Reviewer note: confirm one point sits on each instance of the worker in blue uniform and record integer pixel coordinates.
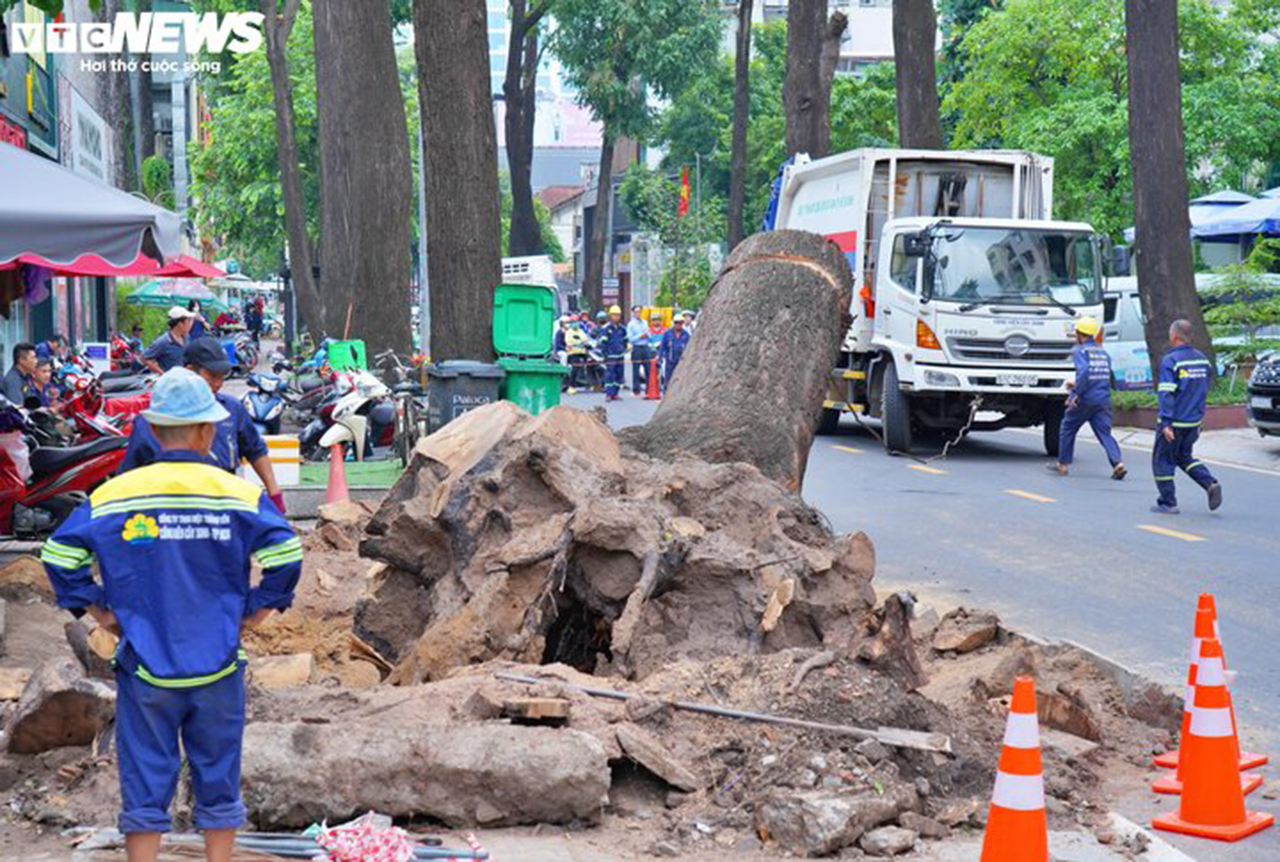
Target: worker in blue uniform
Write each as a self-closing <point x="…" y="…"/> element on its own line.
<point x="173" y="543"/>
<point x="1090" y="401"/>
<point x="611" y="340"/>
<point x="237" y="438"/>
<point x="1183" y="389"/>
<point x="671" y="348"/>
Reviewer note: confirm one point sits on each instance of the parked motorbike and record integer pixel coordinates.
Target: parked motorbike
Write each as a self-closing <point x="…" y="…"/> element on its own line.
<point x="363" y="419"/>
<point x="242" y="352"/>
<point x="265" y="402"/>
<point x="41" y="486"/>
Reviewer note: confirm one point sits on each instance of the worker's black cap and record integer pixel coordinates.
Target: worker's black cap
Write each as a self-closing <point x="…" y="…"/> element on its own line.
<point x="206" y="353"/>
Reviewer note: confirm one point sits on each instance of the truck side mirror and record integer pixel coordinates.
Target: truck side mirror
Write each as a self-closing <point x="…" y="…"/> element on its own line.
<point x="917" y="244"/>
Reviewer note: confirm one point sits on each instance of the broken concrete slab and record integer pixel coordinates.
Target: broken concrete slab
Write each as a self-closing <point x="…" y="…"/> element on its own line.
<point x="888" y="841"/>
<point x="819" y="822"/>
<point x="60" y="706"/>
<point x="298" y="773"/>
<point x="925" y="827"/>
<point x="344" y="513"/>
<point x="965" y="630"/>
<point x="281" y="671"/>
<point x="646" y="750"/>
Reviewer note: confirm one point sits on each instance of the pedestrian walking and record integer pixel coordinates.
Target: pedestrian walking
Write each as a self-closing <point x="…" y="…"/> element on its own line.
<point x="173" y="544"/>
<point x="641" y="352"/>
<point x="671" y="349"/>
<point x="1089" y="402"/>
<point x="1183" y="390"/>
<point x="612" y="343"/>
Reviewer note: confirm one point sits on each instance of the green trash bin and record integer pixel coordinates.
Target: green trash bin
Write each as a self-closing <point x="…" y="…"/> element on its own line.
<point x="524" y="321"/>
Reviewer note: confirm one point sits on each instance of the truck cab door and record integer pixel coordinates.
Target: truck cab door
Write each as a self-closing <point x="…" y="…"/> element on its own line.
<point x="897" y="293"/>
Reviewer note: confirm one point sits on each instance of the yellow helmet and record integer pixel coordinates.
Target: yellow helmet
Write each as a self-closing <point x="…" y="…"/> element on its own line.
<point x="1087" y="326"/>
<point x="613" y="309"/>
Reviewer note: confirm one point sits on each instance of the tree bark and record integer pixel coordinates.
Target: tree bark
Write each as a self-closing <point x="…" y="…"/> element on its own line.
<point x="1166" y="270"/>
<point x="460" y="170"/>
<point x="768" y="392"/>
<point x="593" y="266"/>
<point x="146" y="108"/>
<point x="915" y="31"/>
<point x="813" y="47"/>
<point x="276" y="27"/>
<point x="519" y="91"/>
<point x="741" y="111"/>
<point x="365" y="175"/>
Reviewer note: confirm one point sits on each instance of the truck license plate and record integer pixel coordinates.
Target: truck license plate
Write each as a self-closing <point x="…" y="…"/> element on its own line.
<point x="1016" y="380"/>
<point x="1260" y="403"/>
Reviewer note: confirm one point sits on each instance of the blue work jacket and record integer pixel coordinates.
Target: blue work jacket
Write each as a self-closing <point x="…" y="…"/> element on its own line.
<point x="1093" y="374"/>
<point x="237" y="437"/>
<point x="1183" y="388"/>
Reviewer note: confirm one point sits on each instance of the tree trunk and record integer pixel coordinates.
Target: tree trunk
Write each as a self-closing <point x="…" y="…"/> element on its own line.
<point x="915" y="31"/>
<point x="127" y="168"/>
<point x="802" y="283"/>
<point x="741" y="110"/>
<point x="1166" y="279"/>
<point x="519" y="91"/>
<point x="460" y="170"/>
<point x="813" y="47"/>
<point x="593" y="266"/>
<point x="365" y="176"/>
<point x="276" y="29"/>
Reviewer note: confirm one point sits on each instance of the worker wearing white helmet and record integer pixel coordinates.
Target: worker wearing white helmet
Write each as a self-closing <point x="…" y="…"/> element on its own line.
<point x="612" y="342"/>
<point x="1089" y="402"/>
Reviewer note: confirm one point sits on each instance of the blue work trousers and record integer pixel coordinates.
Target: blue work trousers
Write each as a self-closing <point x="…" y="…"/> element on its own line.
<point x="641" y="356"/>
<point x="1167" y="458"/>
<point x="150" y="721"/>
<point x="1098" y="417"/>
<point x="615" y="368"/>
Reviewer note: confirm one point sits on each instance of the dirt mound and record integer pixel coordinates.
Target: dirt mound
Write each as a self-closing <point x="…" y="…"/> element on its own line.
<point x="540" y="540"/>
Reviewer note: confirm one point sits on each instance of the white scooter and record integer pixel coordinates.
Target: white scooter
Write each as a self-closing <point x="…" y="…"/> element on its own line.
<point x="365" y="417"/>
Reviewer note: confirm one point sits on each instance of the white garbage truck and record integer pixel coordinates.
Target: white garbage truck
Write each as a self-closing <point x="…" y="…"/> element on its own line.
<point x="966" y="293"/>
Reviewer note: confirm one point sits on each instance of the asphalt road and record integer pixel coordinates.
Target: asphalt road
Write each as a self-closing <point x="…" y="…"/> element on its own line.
<point x="1080" y="558"/>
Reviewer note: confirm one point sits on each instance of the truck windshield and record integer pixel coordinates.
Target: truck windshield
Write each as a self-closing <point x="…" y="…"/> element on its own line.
<point x="1016" y="266"/>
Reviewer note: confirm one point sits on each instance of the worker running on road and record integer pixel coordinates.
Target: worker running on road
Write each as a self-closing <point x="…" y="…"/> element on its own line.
<point x="1183" y="390"/>
<point x="173" y="542"/>
<point x="1090" y="401"/>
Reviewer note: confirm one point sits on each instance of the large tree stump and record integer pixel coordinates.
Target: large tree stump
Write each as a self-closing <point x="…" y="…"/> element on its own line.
<point x="750" y="386"/>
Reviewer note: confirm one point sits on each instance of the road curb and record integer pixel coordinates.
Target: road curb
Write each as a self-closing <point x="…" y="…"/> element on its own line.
<point x="1158" y="850"/>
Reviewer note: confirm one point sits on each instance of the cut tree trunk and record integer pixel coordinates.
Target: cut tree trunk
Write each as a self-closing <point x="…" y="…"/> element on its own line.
<point x="739" y="397"/>
<point x="813" y="46"/>
<point x="519" y="92"/>
<point x="1166" y="269"/>
<point x="741" y="110"/>
<point x="276" y="27"/>
<point x="593" y="267"/>
<point x="460" y="171"/>
<point x="365" y="176"/>
<point x="915" y="29"/>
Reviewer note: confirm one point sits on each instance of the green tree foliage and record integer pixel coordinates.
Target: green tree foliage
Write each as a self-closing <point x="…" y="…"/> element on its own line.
<point x="236" y="174"/>
<point x="550" y="242"/>
<point x="1051" y="76"/>
<point x="157" y="181"/>
<point x="700" y="119"/>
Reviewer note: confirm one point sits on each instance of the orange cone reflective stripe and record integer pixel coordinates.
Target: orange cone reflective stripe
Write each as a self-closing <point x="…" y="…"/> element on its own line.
<point x="1212" y="803"/>
<point x="1017" y="829"/>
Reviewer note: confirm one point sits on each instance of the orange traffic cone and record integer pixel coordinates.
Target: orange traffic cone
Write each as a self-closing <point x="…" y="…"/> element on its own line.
<point x="337" y="490"/>
<point x="1212" y="804"/>
<point x="1248" y="759"/>
<point x="654" y="392"/>
<point x="1204" y="630"/>
<point x="1017" y="830"/>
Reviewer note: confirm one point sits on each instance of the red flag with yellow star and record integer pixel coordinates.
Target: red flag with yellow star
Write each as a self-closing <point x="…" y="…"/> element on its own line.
<point x="683" y="209"/>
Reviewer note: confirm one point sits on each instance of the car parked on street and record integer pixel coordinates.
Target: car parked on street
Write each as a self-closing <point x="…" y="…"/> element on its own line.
<point x="1264" y="397"/>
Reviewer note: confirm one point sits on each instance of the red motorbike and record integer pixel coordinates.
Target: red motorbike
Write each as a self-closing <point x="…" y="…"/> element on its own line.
<point x="60" y="478"/>
<point x="97" y="416"/>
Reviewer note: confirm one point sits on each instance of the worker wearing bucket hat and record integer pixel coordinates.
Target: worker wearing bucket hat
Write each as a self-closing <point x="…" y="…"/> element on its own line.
<point x="179" y="667"/>
<point x="1089" y="402"/>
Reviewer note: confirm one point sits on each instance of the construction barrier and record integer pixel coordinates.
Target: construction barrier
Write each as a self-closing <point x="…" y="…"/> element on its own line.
<point x="286" y="461"/>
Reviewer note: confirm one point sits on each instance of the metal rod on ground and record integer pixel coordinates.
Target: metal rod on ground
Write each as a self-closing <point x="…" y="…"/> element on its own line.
<point x="894" y="736"/>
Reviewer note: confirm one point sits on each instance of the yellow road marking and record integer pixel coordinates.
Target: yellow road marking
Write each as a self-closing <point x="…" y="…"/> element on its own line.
<point x="1173" y="534"/>
<point x="1027" y="495"/>
<point x="932" y="470"/>
<point x="849" y="449"/>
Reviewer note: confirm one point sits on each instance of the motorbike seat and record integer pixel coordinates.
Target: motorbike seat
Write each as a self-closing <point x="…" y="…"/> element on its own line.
<point x="117" y="374"/>
<point x="411" y="388"/>
<point x="120" y="384"/>
<point x="46" y="460"/>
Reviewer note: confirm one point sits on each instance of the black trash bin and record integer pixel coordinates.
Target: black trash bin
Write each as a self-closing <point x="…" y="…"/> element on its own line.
<point x="457" y="386"/>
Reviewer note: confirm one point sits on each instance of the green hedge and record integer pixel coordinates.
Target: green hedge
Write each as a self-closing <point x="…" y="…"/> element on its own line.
<point x="1221" y="394"/>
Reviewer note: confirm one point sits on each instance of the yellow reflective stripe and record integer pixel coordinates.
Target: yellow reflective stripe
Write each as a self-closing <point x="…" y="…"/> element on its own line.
<point x="214" y="504"/>
<point x="285" y="552"/>
<point x="170" y="478"/>
<point x="65" y="556"/>
<point x="1168" y="387"/>
<point x="1185" y="424"/>
<point x="1165" y="478"/>
<point x="1191" y="362"/>
<point x="191" y="681"/>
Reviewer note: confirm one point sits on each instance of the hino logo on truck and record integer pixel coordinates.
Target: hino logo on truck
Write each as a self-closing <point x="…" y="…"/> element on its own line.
<point x="1017" y="345"/>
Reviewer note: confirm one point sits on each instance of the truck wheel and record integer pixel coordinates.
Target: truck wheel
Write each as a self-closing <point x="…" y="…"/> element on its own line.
<point x="829" y="423"/>
<point x="895" y="414"/>
<point x="1053" y="429"/>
